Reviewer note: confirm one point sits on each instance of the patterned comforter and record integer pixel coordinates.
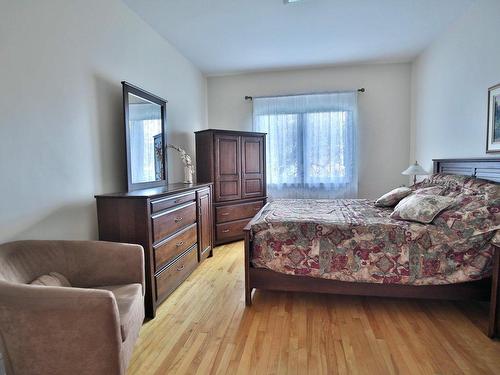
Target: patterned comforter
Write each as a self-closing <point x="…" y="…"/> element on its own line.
<point x="353" y="240"/>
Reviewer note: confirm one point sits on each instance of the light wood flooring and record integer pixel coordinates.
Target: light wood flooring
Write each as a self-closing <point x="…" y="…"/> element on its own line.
<point x="205" y="328"/>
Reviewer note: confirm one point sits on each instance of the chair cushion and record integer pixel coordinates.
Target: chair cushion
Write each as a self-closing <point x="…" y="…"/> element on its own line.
<point x="130" y="306"/>
<point x="52" y="279"/>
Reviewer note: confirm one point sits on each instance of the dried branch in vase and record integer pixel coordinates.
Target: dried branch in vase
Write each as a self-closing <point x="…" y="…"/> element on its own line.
<point x="188" y="164"/>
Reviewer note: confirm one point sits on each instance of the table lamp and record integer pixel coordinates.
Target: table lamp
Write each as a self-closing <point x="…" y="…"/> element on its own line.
<point x="414" y="170"/>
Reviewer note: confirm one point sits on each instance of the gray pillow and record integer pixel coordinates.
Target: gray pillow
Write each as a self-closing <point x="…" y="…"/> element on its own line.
<point x="421" y="208"/>
<point x="52" y="279"/>
<point x="392" y="198"/>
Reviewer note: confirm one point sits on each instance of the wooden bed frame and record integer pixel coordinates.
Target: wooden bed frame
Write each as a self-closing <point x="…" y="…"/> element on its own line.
<point x="483" y="290"/>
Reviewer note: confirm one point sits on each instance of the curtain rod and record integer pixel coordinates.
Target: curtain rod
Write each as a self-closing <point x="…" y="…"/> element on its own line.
<point x="247" y="97"/>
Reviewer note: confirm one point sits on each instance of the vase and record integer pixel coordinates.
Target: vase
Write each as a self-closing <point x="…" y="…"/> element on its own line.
<point x="188" y="174"/>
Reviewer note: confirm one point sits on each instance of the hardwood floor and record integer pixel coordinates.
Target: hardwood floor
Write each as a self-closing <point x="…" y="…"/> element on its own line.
<point x="204" y="328"/>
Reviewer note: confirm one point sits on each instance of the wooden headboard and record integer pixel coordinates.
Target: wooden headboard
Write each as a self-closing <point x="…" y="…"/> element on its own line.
<point x="485" y="168"/>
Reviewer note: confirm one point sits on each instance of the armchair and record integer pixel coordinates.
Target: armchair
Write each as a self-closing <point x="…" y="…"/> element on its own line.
<point x="89" y="328"/>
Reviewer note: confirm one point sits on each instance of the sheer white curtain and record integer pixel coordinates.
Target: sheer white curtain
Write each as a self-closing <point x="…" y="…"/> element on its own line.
<point x="144" y="125"/>
<point x="311" y="144"/>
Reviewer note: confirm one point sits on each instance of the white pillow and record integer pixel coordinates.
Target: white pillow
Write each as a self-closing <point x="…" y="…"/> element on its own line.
<point x="392" y="198"/>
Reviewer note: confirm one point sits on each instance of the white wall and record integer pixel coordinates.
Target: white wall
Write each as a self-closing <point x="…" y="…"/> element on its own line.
<point x="61" y="130"/>
<point x="384" y="111"/>
<point x="450" y="83"/>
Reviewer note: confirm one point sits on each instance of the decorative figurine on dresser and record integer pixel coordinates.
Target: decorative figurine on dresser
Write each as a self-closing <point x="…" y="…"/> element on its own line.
<point x="172" y="222"/>
<point x="235" y="162"/>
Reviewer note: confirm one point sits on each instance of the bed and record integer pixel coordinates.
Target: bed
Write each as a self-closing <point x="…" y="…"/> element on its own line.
<point x="353" y="247"/>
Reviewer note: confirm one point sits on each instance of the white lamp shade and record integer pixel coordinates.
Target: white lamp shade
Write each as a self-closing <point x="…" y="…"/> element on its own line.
<point x="414" y="170"/>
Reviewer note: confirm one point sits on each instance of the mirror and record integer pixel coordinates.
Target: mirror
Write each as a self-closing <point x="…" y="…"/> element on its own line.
<point x="145" y="136"/>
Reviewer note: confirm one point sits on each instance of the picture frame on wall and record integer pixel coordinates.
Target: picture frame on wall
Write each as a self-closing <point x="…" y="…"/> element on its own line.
<point x="493" y="130"/>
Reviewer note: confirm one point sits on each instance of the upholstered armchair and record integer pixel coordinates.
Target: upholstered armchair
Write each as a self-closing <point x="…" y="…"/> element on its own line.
<point x="88" y="328"/>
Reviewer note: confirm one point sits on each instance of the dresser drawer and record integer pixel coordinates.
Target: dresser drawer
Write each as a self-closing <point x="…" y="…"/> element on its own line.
<point x="175" y="245"/>
<point x="172" y="276"/>
<point x="237" y="211"/>
<point x="233" y="229"/>
<point x="164" y="203"/>
<point x="168" y="222"/>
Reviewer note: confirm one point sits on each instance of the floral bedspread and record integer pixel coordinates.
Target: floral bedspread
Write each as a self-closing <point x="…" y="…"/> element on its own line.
<point x="353" y="240"/>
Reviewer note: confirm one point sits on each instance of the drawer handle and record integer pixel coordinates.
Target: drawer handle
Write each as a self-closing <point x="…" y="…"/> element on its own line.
<point x="224" y="214"/>
<point x="225" y="230"/>
<point x="178" y="219"/>
<point x="179" y="243"/>
<point x="178" y="200"/>
<point x="180" y="268"/>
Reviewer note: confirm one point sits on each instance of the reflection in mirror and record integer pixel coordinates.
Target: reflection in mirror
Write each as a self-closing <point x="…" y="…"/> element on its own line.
<point x="146" y="140"/>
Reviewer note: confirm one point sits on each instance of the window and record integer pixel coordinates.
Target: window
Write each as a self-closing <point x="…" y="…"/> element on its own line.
<point x="311" y="144"/>
<point x="146" y="148"/>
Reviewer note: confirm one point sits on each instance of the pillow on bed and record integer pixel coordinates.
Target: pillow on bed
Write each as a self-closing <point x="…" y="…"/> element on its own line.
<point x="421" y="208"/>
<point x="431" y="190"/>
<point x="392" y="198"/>
<point x="444" y="180"/>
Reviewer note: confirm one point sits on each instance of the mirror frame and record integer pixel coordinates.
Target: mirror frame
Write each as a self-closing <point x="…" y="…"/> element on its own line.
<point x="128" y="88"/>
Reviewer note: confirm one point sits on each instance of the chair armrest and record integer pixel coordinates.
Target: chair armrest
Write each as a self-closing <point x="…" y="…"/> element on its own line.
<point x="59" y="330"/>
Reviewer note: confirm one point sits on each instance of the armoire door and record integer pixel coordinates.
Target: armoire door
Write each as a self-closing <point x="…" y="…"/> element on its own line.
<point x="252" y="167"/>
<point x="227" y="168"/>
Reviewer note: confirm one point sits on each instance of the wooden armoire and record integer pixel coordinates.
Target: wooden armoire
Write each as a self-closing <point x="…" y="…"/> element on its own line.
<point x="235" y="162"/>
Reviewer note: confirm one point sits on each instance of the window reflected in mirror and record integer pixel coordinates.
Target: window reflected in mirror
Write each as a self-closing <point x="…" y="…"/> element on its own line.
<point x="146" y="140"/>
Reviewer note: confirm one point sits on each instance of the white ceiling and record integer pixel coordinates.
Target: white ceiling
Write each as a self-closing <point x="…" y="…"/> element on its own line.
<point x="227" y="36"/>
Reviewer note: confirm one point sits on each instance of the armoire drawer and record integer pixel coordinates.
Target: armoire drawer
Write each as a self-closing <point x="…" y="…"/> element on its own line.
<point x="231" y="230"/>
<point x="173" y="275"/>
<point x="164" y="203"/>
<point x="237" y="211"/>
<point x="175" y="245"/>
<point x="168" y="222"/>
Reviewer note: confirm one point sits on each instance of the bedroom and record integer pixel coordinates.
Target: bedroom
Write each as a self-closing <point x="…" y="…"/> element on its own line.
<point x="426" y="68"/>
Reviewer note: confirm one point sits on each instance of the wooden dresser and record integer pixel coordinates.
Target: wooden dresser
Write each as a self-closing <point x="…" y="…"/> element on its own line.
<point x="174" y="225"/>
<point x="235" y="163"/>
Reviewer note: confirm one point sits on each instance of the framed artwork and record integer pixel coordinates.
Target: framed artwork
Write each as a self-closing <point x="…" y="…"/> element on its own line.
<point x="493" y="131"/>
